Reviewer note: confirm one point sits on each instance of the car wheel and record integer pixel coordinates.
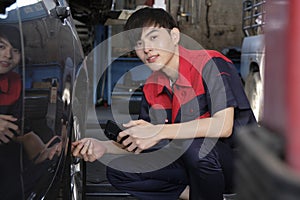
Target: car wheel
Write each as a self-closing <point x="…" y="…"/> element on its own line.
<point x="77" y="168"/>
<point x="254" y="92"/>
<point x="77" y="180"/>
<point x="73" y="182"/>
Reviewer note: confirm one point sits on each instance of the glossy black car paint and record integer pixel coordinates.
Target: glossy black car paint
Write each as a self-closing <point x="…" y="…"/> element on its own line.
<point x="54" y="91"/>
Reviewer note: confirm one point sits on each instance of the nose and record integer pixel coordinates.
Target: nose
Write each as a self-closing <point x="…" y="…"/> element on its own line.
<point x="8" y="52"/>
<point x="147" y="47"/>
<point x="147" y="50"/>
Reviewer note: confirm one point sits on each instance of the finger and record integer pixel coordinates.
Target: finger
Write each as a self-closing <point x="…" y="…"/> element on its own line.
<point x="77" y="149"/>
<point x="141" y="122"/>
<point x="77" y="142"/>
<point x="59" y="147"/>
<point x="90" y="149"/>
<point x="127" y="141"/>
<point x="131" y="123"/>
<point x="85" y="158"/>
<point x="4" y="139"/>
<point x="137" y="151"/>
<point x="92" y="159"/>
<point x="51" y="140"/>
<point x="12" y="126"/>
<point x="9" y="134"/>
<point x="78" y="145"/>
<point x="8" y="117"/>
<point x="74" y="144"/>
<point x="52" y="153"/>
<point x="72" y="147"/>
<point x="85" y="147"/>
<point x="121" y="139"/>
<point x="78" y="156"/>
<point x="121" y="135"/>
<point x="132" y="147"/>
<point x="5" y="124"/>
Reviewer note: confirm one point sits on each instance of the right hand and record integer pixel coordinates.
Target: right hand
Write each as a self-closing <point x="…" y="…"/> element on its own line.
<point x="89" y="149"/>
<point x="6" y="123"/>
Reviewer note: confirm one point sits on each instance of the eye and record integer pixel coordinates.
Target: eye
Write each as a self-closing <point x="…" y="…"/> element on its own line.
<point x="153" y="37"/>
<point x="2" y="46"/>
<point x="139" y="44"/>
<point x="16" y="51"/>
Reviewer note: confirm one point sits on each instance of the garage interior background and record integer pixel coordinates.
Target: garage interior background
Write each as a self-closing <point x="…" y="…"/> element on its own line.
<point x="214" y="24"/>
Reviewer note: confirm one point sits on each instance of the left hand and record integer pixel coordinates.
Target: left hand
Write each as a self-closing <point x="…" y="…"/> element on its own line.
<point x="7" y="127"/>
<point x="50" y="151"/>
<point x="141" y="135"/>
<point x="90" y="149"/>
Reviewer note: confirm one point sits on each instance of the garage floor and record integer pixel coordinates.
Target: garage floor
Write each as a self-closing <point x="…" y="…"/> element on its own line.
<point x="97" y="185"/>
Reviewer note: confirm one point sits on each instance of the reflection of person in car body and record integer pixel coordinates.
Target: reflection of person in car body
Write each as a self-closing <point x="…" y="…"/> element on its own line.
<point x="10" y="93"/>
<point x="193" y="98"/>
<point x="10" y="82"/>
<point x="11" y="140"/>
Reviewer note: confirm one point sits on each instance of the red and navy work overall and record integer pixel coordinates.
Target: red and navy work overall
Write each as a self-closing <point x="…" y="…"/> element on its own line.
<point x="207" y="83"/>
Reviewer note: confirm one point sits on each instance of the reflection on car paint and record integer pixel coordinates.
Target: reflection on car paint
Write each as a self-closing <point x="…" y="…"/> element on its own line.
<point x="34" y="151"/>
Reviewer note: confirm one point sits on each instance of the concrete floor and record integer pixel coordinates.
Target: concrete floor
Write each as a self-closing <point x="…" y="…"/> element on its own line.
<point x="97" y="184"/>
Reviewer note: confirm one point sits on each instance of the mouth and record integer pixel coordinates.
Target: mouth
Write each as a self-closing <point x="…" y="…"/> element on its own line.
<point x="5" y="64"/>
<point x="152" y="59"/>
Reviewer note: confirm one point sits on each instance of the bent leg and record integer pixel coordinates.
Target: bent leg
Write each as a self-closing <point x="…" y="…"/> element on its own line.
<point x="226" y="158"/>
<point x="204" y="170"/>
<point x="165" y="184"/>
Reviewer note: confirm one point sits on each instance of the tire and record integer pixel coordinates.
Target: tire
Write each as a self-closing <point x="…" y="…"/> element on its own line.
<point x="77" y="181"/>
<point x="254" y="92"/>
<point x="77" y="173"/>
<point x="73" y="182"/>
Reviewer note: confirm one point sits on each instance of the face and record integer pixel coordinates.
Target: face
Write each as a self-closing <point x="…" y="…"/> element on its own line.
<point x="158" y="48"/>
<point x="9" y="56"/>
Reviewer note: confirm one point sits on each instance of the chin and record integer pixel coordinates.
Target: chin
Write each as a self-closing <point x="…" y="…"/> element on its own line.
<point x="4" y="71"/>
<point x="155" y="66"/>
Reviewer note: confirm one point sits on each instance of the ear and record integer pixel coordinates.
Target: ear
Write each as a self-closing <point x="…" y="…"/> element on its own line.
<point x="175" y="35"/>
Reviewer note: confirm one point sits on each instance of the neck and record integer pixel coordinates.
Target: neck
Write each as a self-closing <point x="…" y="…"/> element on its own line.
<point x="171" y="70"/>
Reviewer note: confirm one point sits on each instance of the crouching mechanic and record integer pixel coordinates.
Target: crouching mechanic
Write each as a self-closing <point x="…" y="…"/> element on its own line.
<point x="193" y="104"/>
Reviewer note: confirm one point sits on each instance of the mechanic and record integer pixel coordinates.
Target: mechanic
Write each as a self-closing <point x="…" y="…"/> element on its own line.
<point x="193" y="102"/>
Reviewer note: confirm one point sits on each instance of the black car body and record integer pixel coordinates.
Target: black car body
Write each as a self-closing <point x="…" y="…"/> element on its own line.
<point x="53" y="99"/>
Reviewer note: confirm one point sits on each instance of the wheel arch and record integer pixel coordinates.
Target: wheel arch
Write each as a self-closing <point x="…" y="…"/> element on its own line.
<point x="254" y="67"/>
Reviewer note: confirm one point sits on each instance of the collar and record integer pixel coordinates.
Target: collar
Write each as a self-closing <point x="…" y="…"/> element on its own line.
<point x="190" y="62"/>
<point x="184" y="69"/>
<point x="158" y="80"/>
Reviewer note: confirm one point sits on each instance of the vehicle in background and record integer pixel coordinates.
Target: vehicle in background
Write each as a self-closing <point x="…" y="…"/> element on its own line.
<point x="253" y="53"/>
<point x="267" y="162"/>
<point x="53" y="102"/>
<point x="234" y="54"/>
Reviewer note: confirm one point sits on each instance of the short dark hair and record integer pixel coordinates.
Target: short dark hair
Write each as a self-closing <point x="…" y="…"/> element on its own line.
<point x="147" y="17"/>
<point x="11" y="34"/>
<point x="150" y="17"/>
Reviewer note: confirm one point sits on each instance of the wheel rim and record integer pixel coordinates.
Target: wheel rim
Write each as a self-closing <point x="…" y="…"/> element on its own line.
<point x="76" y="182"/>
<point x="254" y="91"/>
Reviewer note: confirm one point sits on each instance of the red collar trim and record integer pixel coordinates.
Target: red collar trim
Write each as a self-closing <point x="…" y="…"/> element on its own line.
<point x="190" y="61"/>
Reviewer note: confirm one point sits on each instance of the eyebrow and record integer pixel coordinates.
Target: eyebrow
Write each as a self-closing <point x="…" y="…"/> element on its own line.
<point x="154" y="30"/>
<point x="4" y="41"/>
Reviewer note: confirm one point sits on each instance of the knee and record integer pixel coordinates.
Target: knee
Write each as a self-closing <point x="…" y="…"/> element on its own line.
<point x="195" y="160"/>
<point x="114" y="177"/>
